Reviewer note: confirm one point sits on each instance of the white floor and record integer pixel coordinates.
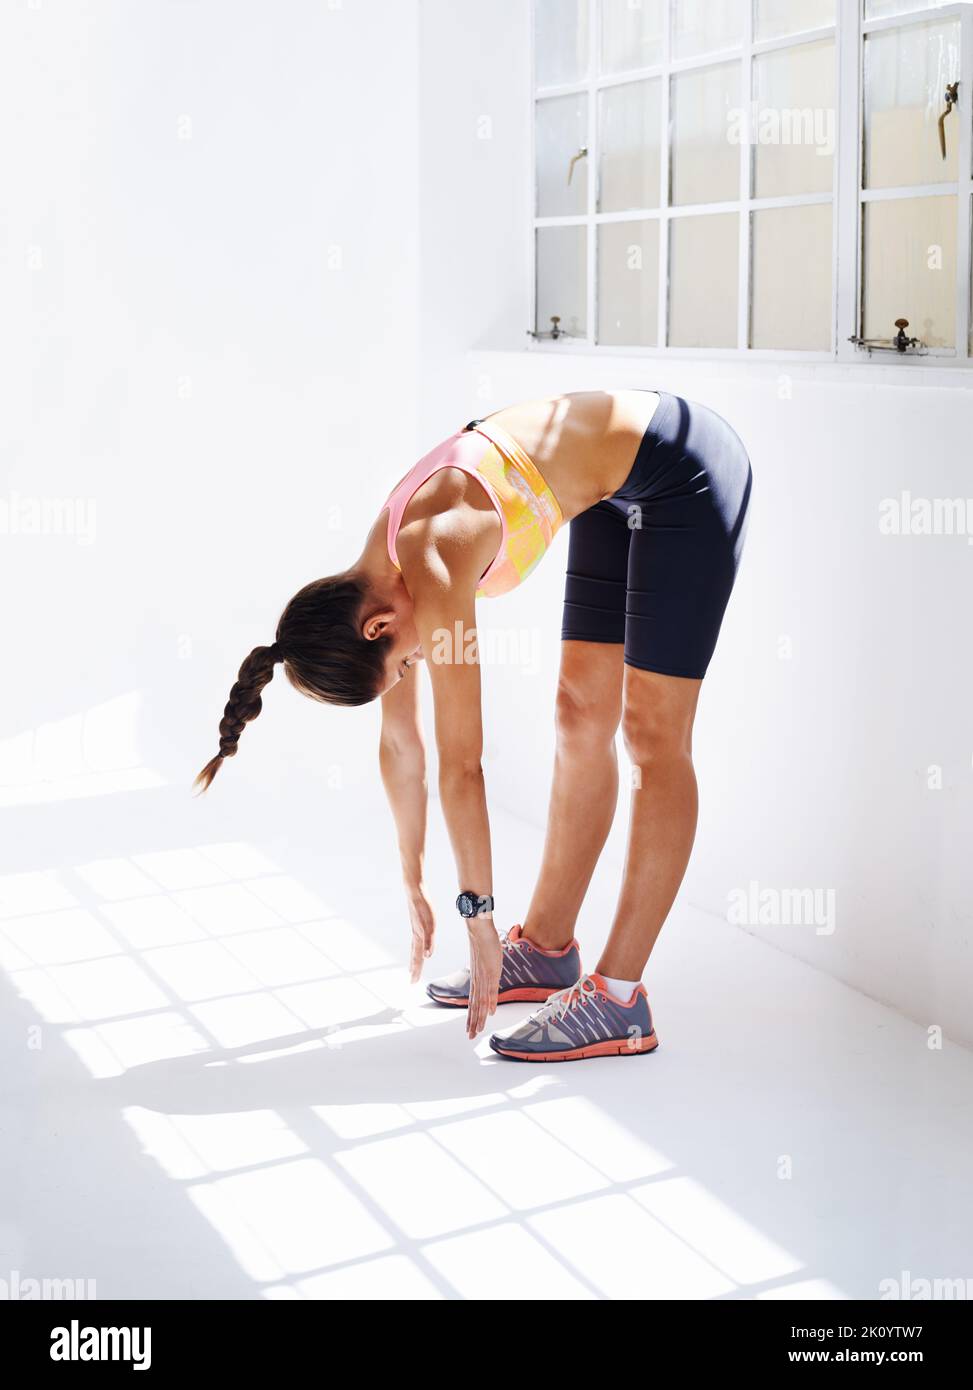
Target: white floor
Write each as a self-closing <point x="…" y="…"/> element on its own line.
<point x="232" y="1091"/>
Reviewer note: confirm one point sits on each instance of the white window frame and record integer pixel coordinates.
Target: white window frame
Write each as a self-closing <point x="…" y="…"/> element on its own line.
<point x="847" y="195"/>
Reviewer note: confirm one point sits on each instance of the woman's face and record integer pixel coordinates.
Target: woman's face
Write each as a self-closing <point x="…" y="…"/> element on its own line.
<point x="404" y="655"/>
<point x="397" y="622"/>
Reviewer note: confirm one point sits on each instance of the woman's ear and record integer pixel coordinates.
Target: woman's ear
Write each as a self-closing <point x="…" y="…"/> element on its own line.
<point x="378" y="624"/>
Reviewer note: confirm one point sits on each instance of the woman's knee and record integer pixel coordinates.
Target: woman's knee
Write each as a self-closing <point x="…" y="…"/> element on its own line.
<point x="657" y="725"/>
<point x="585" y="715"/>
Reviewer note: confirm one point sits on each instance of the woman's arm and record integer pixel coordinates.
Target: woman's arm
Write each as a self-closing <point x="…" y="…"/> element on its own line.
<point x="402" y="758"/>
<point x="442" y="580"/>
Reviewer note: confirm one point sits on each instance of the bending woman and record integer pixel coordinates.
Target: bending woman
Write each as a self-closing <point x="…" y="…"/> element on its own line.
<point x="656" y="491"/>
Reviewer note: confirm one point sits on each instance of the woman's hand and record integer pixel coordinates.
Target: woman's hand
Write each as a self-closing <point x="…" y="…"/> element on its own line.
<point x="486" y="956"/>
<point x="423" y="924"/>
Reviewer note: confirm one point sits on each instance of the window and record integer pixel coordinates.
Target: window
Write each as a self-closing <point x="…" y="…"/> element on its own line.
<point x="759" y="176"/>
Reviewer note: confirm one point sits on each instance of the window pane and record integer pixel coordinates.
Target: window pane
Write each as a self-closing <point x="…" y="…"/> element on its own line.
<point x="910" y="268"/>
<point x="562" y="131"/>
<point x="792" y="255"/>
<point x="562" y="279"/>
<point x="906" y="74"/>
<point x="796" y="123"/>
<point x="631" y="34"/>
<point x="630" y="169"/>
<point x="561" y="41"/>
<point x="705" y="160"/>
<point x="628" y="283"/>
<point x="704" y="275"/>
<point x="882" y="9"/>
<point x="700" y="26"/>
<point x="776" y="18"/>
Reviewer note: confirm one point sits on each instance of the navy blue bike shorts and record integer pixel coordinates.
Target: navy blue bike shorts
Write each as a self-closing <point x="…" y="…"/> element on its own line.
<point x="653" y="567"/>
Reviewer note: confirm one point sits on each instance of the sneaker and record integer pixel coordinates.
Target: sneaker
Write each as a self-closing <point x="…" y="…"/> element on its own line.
<point x="582" y="1021"/>
<point x="527" y="976"/>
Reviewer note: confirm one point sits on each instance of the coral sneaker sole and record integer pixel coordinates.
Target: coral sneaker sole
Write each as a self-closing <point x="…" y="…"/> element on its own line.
<point x="614" y="1048"/>
<point x="504" y="996"/>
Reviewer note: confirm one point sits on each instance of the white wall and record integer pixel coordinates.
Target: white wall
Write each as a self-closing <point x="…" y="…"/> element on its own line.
<point x="474" y="168"/>
<point x="209" y="224"/>
<point x="815" y="766"/>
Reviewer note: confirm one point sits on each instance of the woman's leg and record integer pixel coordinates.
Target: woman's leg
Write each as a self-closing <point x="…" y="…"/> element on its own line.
<point x="585" y="790"/>
<point x="692" y="505"/>
<point x="657" y="724"/>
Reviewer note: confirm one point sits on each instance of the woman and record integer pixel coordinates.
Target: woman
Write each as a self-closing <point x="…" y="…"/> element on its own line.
<point x="656" y="491"/>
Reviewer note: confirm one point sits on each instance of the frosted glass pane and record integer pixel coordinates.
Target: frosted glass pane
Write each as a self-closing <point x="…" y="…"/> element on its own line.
<point x="562" y="279"/>
<point x="796" y="121"/>
<point x="628" y="283"/>
<point x="631" y="34"/>
<point x="560" y="41"/>
<point x="775" y="19"/>
<point x="705" y="159"/>
<point x="792" y="258"/>
<point x="702" y="26"/>
<point x="703" y="281"/>
<point x="906" y="75"/>
<point x="630" y="154"/>
<point x="562" y="130"/>
<point x="883" y="9"/>
<point x="910" y="268"/>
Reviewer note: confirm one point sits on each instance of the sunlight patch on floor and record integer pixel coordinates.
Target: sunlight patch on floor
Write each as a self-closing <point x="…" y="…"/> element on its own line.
<point x="94" y="753"/>
<point x="194" y="1146"/>
<point x="719" y="1234"/>
<point x="804" y="1290"/>
<point x="626" y="1253"/>
<point x="289" y="1219"/>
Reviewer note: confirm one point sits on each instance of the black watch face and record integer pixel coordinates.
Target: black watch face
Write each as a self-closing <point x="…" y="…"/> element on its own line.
<point x="466" y="905"/>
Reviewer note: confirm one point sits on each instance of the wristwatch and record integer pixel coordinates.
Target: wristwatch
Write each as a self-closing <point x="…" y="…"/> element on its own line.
<point x="472" y="905"/>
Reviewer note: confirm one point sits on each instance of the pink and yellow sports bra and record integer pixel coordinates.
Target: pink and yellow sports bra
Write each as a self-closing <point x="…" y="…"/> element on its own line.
<point x="528" y="510"/>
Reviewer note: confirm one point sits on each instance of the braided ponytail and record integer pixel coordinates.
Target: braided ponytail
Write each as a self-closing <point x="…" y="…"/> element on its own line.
<point x="327" y="657"/>
<point x="243" y="705"/>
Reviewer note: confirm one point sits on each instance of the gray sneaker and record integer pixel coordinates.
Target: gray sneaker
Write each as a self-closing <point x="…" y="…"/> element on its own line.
<point x="528" y="974"/>
<point x="582" y="1021"/>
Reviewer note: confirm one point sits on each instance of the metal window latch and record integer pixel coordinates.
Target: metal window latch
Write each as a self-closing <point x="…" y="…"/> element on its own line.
<point x="901" y="343"/>
<point x="952" y="97"/>
<point x="556" y="331"/>
<point x="582" y="154"/>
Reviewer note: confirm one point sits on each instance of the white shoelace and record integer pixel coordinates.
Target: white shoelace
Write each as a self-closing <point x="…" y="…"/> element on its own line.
<point x="559" y="1004"/>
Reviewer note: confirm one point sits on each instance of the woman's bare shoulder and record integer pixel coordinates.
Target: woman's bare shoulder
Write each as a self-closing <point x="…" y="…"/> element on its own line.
<point x="450" y="522"/>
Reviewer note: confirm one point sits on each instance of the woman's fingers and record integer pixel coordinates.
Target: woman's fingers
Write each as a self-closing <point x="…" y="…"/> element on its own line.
<point x="485" y="968"/>
<point x="423" y="923"/>
<point x="418" y="951"/>
<point x="477" y="1011"/>
<point x="416" y="957"/>
<point x="483" y="1004"/>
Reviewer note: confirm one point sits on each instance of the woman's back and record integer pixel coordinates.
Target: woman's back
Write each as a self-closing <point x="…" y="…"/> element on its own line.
<point x="584" y="444"/>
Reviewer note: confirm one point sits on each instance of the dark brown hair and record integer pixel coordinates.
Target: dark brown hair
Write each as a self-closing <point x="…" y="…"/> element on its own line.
<point x="325" y="656"/>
